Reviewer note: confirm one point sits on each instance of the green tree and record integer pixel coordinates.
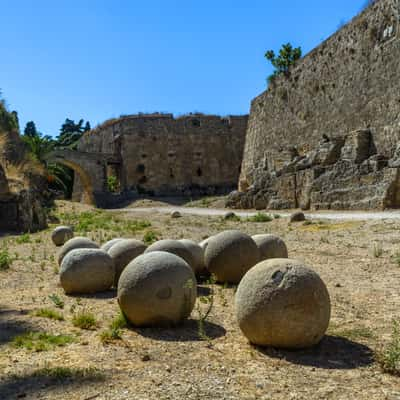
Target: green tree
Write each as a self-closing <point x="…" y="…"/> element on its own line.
<point x="288" y="56"/>
<point x="30" y="129"/>
<point x="71" y="132"/>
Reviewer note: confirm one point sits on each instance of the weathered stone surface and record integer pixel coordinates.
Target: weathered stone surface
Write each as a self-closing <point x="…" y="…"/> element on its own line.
<point x="282" y="303"/>
<point x="197" y="255"/>
<point x="61" y="234"/>
<point x="123" y="252"/>
<point x="297" y="217"/>
<point x="107" y="245"/>
<point x="174" y="247"/>
<point x="346" y="91"/>
<point x="270" y="246"/>
<point x="86" y="270"/>
<point x="157" y="288"/>
<point x="229" y="255"/>
<point x="176" y="214"/>
<point x="78" y="242"/>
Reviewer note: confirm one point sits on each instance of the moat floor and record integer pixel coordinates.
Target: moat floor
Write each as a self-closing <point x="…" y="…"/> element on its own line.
<point x="358" y="260"/>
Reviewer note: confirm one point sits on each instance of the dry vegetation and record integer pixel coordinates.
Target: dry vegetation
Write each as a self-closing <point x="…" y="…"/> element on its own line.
<point x="62" y="347"/>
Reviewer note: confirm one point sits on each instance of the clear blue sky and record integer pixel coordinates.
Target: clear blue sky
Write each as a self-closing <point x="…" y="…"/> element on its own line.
<point x="96" y="59"/>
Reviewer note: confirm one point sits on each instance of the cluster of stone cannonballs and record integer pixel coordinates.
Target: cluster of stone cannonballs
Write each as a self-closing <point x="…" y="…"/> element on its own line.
<point x="279" y="301"/>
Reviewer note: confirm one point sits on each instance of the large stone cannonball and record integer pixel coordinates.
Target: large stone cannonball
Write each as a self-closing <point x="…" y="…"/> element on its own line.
<point x="78" y="242"/>
<point x="123" y="252"/>
<point x="173" y="247"/>
<point x="282" y="303"/>
<point x="61" y="234"/>
<point x="197" y="255"/>
<point x="107" y="245"/>
<point x="270" y="246"/>
<point x="157" y="288"/>
<point x="229" y="255"/>
<point x="86" y="271"/>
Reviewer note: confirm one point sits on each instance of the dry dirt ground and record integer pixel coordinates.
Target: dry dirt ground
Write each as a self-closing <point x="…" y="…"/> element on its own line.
<point x="359" y="261"/>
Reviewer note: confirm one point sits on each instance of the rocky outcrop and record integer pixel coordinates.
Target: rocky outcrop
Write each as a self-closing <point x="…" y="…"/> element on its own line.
<point x="341" y="173"/>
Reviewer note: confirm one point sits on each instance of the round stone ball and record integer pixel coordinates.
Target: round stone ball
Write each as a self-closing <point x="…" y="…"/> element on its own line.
<point x="197" y="255"/>
<point x="156" y="289"/>
<point x="174" y="247"/>
<point x="123" y="252"/>
<point x="86" y="271"/>
<point x="229" y="255"/>
<point x="203" y="244"/>
<point x="78" y="242"/>
<point x="61" y="234"/>
<point x="270" y="246"/>
<point x="176" y="214"/>
<point x="282" y="303"/>
<point x="297" y="217"/>
<point x="107" y="245"/>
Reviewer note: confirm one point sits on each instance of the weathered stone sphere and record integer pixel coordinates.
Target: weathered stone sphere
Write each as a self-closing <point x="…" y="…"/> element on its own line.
<point x="197" y="255"/>
<point x="297" y="217"/>
<point x="123" y="252"/>
<point x="270" y="246"/>
<point x="229" y="255"/>
<point x="203" y="244"/>
<point x="174" y="247"/>
<point x="282" y="303"/>
<point x="78" y="242"/>
<point x="157" y="288"/>
<point x="230" y="215"/>
<point x="86" y="271"/>
<point x="176" y="214"/>
<point x="107" y="245"/>
<point x="61" y="234"/>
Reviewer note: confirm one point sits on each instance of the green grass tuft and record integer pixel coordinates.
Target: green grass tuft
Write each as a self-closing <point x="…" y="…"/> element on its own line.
<point x="260" y="217"/>
<point x="25" y="238"/>
<point x="85" y="320"/>
<point x="48" y="313"/>
<point x="389" y="359"/>
<point x="5" y="259"/>
<point x="41" y="341"/>
<point x="61" y="373"/>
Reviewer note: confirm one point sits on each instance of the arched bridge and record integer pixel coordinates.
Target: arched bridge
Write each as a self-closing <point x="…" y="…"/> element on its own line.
<point x="91" y="168"/>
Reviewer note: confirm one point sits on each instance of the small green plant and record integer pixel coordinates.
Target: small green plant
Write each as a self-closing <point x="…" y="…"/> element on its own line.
<point x="5" y="259"/>
<point x="58" y="302"/>
<point x="114" y="330"/>
<point x="377" y="250"/>
<point x="112" y="183"/>
<point x="150" y="237"/>
<point x="260" y="217"/>
<point x="204" y="307"/>
<point x="59" y="373"/>
<point x="84" y="320"/>
<point x="41" y="341"/>
<point x="24" y="238"/>
<point x="389" y="359"/>
<point x="48" y="313"/>
<point x="396" y="258"/>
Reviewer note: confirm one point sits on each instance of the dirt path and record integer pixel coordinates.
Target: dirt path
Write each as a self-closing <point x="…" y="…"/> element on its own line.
<point x="330" y="215"/>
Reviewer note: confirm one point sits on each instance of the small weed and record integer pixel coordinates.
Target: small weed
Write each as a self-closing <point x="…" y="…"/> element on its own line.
<point x="41" y="341"/>
<point x="5" y="259"/>
<point x="150" y="237"/>
<point x="208" y="303"/>
<point x="59" y="373"/>
<point x="84" y="320"/>
<point x="260" y="217"/>
<point x="48" y="313"/>
<point x="389" y="359"/>
<point x="396" y="258"/>
<point x="114" y="331"/>
<point x="25" y="238"/>
<point x="58" y="302"/>
<point x="377" y="250"/>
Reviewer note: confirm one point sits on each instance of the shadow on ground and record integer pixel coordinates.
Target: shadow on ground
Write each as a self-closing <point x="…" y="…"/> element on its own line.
<point x="186" y="332"/>
<point x="36" y="384"/>
<point x="109" y="294"/>
<point x="12" y="324"/>
<point x="333" y="352"/>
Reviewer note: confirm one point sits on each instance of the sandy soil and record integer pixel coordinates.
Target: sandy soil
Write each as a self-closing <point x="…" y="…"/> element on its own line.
<point x="358" y="260"/>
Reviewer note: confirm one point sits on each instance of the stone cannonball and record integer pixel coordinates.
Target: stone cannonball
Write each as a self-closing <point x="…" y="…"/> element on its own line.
<point x="229" y="255"/>
<point x="78" y="242"/>
<point x="297" y="217"/>
<point x="174" y="247"/>
<point x="123" y="252"/>
<point x="203" y="244"/>
<point x="107" y="245"/>
<point x="157" y="288"/>
<point x="61" y="234"/>
<point x="282" y="303"/>
<point x="270" y="246"/>
<point x="197" y="255"/>
<point x="86" y="271"/>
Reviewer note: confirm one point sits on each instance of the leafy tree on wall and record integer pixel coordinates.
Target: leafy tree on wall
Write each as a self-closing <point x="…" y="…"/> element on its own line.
<point x="71" y="132"/>
<point x="287" y="57"/>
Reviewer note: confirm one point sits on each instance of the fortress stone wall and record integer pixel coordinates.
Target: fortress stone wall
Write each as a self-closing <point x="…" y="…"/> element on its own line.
<point x="350" y="82"/>
<point x="161" y="155"/>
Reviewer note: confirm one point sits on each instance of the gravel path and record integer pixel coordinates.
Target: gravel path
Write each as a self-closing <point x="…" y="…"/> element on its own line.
<point x="331" y="215"/>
